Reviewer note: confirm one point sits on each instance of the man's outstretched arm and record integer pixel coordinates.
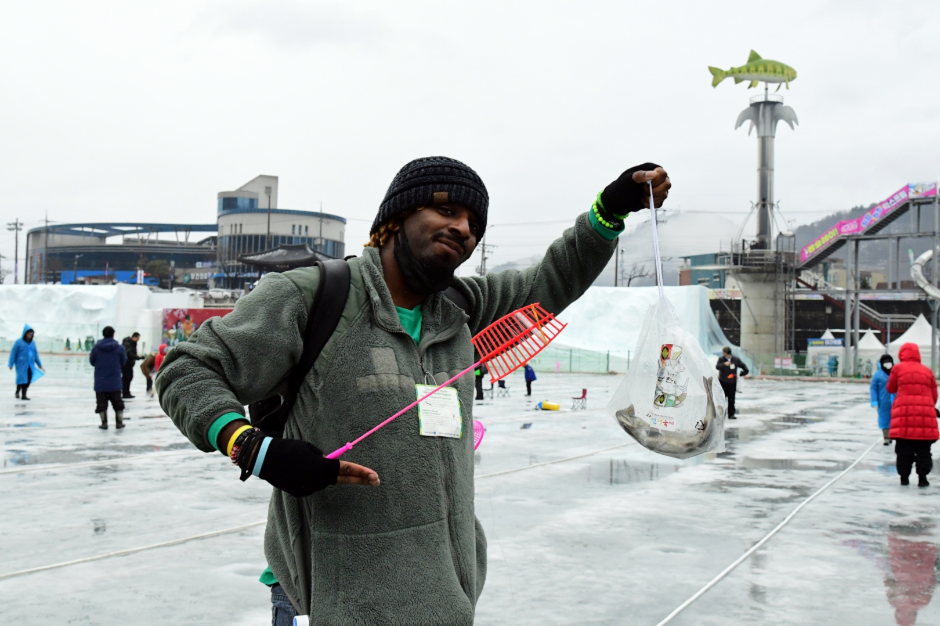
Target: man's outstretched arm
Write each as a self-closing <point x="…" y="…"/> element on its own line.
<point x="574" y="260"/>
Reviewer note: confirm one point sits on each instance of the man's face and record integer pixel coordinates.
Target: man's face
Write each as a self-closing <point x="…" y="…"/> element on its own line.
<point x="443" y="236"/>
<point x="135" y="338"/>
<point x="727" y="355"/>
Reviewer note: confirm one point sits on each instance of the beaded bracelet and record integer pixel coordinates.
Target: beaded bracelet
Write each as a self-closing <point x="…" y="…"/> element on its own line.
<point x="239" y="442"/>
<point x="236" y="435"/>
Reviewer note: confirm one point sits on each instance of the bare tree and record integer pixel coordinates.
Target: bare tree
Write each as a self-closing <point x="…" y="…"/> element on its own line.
<point x="638" y="270"/>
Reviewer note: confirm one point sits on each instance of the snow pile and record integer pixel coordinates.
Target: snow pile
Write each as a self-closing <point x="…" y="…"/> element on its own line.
<point x="609" y="318"/>
<point x="73" y="312"/>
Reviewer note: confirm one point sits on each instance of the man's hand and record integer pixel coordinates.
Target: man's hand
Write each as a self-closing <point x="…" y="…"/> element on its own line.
<point x="630" y="193"/>
<point x="661" y="185"/>
<point x="352" y="474"/>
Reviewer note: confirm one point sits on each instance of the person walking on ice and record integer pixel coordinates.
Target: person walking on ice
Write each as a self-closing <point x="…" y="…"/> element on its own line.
<point x="730" y="368"/>
<point x="108" y="358"/>
<point x="880" y="398"/>
<point x="913" y="414"/>
<point x="24" y="356"/>
<point x="529" y="379"/>
<point x="127" y="371"/>
<point x="409" y="550"/>
<point x="147" y="368"/>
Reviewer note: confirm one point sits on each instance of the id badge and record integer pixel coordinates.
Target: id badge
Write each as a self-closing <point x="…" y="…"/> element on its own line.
<point x="439" y="415"/>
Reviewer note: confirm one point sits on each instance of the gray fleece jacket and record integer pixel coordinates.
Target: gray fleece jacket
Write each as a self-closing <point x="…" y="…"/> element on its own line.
<point x="410" y="551"/>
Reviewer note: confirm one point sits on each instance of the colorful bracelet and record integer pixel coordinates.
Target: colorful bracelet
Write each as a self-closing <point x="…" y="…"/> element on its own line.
<point x="231" y="441"/>
<point x="605" y="216"/>
<point x="239" y="442"/>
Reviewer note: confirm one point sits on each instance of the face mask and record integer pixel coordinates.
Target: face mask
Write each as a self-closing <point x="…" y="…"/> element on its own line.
<point x="423" y="276"/>
<point x="886" y="367"/>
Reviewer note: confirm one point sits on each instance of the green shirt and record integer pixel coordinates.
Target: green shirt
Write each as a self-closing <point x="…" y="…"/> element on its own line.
<point x="411" y="322"/>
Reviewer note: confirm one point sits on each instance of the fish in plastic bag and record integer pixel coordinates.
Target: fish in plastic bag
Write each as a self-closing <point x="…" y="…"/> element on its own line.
<point x="670" y="400"/>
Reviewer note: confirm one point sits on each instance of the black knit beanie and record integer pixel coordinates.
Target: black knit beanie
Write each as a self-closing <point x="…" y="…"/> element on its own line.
<point x="433" y="181"/>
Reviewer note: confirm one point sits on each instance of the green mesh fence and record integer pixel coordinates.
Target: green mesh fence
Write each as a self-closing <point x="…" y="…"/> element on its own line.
<point x="561" y="358"/>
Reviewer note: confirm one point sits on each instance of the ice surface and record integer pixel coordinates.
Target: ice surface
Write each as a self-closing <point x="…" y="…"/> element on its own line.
<point x="619" y="537"/>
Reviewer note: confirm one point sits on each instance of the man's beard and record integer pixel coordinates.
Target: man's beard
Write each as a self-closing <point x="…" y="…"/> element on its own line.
<point x="423" y="276"/>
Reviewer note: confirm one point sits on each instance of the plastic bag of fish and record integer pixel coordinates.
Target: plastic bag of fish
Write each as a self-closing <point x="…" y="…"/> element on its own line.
<point x="670" y="400"/>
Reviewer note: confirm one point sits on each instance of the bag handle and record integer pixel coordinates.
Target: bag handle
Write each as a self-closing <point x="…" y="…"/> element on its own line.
<point x="656" y="255"/>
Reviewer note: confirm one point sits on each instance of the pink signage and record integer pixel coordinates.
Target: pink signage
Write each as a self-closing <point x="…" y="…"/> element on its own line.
<point x="873" y="216"/>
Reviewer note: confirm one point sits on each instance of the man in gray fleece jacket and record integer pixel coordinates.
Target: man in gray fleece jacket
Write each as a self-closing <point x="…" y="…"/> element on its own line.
<point x="408" y="551"/>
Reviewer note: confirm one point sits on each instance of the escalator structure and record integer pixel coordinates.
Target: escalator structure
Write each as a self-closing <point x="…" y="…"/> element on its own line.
<point x="874" y="319"/>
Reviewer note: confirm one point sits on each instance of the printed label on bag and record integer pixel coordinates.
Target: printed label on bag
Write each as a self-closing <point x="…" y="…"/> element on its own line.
<point x="661" y="422"/>
<point x="672" y="385"/>
<point x="439" y="415"/>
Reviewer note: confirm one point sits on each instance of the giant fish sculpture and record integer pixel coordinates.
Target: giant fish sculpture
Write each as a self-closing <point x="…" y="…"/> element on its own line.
<point x="755" y="70"/>
<point x="675" y="444"/>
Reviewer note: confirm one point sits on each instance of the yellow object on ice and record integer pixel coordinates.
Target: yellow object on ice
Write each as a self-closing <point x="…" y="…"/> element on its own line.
<point x="545" y="405"/>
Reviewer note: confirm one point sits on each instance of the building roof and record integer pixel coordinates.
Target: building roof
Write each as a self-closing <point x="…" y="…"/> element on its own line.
<point x="113" y="229"/>
<point x="283" y="258"/>
<point x="313" y="214"/>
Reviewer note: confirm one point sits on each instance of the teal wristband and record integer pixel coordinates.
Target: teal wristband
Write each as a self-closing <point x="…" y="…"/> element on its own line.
<point x="259" y="461"/>
<point x="218" y="425"/>
<point x="604" y="231"/>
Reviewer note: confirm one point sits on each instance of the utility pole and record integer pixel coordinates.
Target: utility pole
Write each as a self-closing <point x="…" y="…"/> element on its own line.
<point x="320" y="238"/>
<point x="268" y="190"/>
<point x="616" y="263"/>
<point x="45" y="252"/>
<point x="16" y="226"/>
<point x="481" y="269"/>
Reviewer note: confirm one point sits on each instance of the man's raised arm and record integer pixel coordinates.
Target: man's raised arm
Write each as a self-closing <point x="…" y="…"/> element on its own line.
<point x="574" y="260"/>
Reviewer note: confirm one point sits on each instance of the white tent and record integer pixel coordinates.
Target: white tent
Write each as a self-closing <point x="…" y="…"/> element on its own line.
<point x="609" y="319"/>
<point x="827" y="335"/>
<point x="919" y="333"/>
<point x="870" y="350"/>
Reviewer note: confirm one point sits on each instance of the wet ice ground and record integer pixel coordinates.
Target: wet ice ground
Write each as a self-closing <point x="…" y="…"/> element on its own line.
<point x="619" y="537"/>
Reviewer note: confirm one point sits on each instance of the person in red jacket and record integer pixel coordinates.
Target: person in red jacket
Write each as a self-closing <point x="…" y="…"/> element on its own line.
<point x="913" y="414"/>
<point x="158" y="360"/>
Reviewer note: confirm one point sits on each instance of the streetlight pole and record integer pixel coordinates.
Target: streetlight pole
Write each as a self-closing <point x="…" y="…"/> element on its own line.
<point x="16" y="226"/>
<point x="268" y="191"/>
<point x="75" y="270"/>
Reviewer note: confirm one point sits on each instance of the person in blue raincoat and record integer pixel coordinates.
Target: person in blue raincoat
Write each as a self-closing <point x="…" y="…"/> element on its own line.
<point x="25" y="358"/>
<point x="880" y="398"/>
<point x="529" y="378"/>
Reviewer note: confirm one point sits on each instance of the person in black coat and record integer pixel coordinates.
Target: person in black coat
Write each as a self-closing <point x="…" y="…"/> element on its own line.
<point x="109" y="359"/>
<point x="127" y="370"/>
<point x="730" y="368"/>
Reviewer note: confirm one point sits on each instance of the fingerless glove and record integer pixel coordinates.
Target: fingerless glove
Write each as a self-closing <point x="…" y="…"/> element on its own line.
<point x="290" y="465"/>
<point x="624" y="195"/>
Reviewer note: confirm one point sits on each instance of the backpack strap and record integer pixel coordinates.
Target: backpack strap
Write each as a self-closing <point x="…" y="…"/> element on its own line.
<point x="324" y="316"/>
<point x="452" y="294"/>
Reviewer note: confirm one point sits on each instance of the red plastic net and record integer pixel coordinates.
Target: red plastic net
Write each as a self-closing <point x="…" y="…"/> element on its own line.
<point x="508" y="343"/>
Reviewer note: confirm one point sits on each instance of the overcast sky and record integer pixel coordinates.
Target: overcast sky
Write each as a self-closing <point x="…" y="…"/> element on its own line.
<point x="131" y="111"/>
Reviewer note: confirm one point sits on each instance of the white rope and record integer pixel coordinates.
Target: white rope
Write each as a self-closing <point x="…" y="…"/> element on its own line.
<point x="570" y="458"/>
<point x="152" y="546"/>
<point x="714" y="581"/>
<point x="121" y="459"/>
<point x="656" y="255"/>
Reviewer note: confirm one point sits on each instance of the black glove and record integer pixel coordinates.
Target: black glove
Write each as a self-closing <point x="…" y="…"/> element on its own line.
<point x="624" y="195"/>
<point x="294" y="466"/>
